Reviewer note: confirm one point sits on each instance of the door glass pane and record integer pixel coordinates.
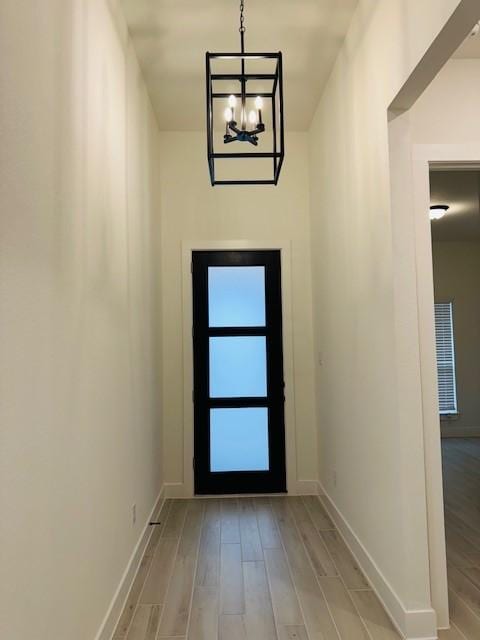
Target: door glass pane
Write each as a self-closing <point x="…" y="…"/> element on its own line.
<point x="239" y="439"/>
<point x="236" y="296"/>
<point x="238" y="367"/>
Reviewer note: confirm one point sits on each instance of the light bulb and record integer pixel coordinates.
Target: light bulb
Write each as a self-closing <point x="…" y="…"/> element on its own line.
<point x="258" y="103"/>
<point x="232" y="101"/>
<point x="227" y="114"/>
<point x="437" y="211"/>
<point x="252" y="117"/>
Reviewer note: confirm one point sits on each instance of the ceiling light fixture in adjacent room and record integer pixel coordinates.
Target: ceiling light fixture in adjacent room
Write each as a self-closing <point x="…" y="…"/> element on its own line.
<point x="246" y="90"/>
<point x="437" y="211"/>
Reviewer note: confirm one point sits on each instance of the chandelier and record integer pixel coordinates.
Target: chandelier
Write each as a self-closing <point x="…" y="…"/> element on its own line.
<point x="244" y="115"/>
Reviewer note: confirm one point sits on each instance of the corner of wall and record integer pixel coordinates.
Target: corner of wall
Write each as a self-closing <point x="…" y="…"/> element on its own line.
<point x="412" y="624"/>
<point x="122" y="591"/>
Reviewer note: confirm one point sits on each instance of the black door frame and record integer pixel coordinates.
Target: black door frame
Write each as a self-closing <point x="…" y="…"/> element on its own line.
<point x="274" y="480"/>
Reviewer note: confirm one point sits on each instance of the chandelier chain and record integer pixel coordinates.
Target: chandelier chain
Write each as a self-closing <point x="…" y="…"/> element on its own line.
<point x="242" y="19"/>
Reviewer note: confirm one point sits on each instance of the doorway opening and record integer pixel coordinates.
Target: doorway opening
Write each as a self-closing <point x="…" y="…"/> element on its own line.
<point x="239" y="426"/>
<point x="455" y="235"/>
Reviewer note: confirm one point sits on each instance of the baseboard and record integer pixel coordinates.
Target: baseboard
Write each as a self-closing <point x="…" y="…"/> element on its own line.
<point x="176" y="490"/>
<point x="307" y="487"/>
<point x="118" y="601"/>
<point x="452" y="430"/>
<point x="416" y="624"/>
<point x="301" y="487"/>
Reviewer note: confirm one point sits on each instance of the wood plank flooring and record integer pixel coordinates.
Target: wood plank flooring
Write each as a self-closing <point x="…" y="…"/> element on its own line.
<point x="461" y="480"/>
<point x="253" y="569"/>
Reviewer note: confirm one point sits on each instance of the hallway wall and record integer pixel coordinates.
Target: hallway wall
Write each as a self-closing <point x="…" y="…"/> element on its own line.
<point x="194" y="211"/>
<point x="80" y="439"/>
<point x="370" y="431"/>
<point x="446" y="113"/>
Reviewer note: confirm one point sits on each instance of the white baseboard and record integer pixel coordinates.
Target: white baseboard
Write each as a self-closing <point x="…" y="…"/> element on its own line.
<point x="176" y="490"/>
<point x="307" y="487"/>
<point x="451" y="430"/>
<point x="412" y="624"/>
<point x="301" y="487"/>
<point x="118" y="601"/>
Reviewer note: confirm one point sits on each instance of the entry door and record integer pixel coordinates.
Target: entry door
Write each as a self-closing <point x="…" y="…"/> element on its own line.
<point x="238" y="372"/>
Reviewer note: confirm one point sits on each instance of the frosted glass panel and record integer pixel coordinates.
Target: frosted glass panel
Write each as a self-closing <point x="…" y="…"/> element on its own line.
<point x="236" y="296"/>
<point x="239" y="439"/>
<point x="238" y="367"/>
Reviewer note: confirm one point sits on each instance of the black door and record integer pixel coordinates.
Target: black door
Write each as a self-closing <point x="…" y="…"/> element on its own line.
<point x="238" y="372"/>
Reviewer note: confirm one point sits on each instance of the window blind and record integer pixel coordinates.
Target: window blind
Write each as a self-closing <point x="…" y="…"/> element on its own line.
<point x="445" y="343"/>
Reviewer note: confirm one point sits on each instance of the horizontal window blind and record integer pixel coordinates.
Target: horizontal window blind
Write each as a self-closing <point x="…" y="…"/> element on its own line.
<point x="445" y="343"/>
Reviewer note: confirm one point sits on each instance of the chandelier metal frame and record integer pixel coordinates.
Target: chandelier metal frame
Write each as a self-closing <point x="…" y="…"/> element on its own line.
<point x="238" y="131"/>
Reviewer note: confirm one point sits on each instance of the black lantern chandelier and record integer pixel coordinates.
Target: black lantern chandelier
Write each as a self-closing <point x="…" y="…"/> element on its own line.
<point x="244" y="115"/>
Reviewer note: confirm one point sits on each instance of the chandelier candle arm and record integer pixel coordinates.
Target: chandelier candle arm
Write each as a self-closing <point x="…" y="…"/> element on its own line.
<point x="232" y="103"/>
<point x="259" y="106"/>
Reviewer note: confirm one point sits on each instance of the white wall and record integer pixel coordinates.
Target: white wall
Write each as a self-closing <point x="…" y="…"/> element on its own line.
<point x="446" y="113"/>
<point x="369" y="403"/>
<point x="194" y="211"/>
<point x="79" y="323"/>
<point x="456" y="274"/>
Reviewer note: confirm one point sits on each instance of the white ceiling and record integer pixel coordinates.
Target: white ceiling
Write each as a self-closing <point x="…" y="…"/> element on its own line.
<point x="172" y="36"/>
<point x="460" y="190"/>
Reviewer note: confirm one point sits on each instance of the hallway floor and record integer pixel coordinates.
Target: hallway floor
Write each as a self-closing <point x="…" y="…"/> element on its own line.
<point x="250" y="569"/>
<point x="461" y="478"/>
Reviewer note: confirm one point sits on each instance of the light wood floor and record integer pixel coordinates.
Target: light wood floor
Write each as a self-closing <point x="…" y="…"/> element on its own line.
<point x="250" y="569"/>
<point x="461" y="479"/>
